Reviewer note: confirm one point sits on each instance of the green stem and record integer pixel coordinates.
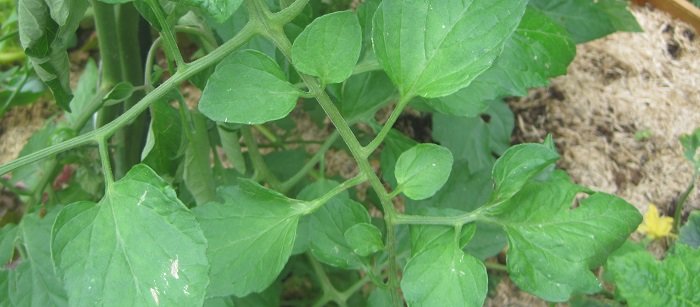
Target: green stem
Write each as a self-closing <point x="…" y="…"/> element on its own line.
<point x="148" y="68"/>
<point x="132" y="72"/>
<point x="105" y="26"/>
<point x="347" y="184"/>
<point x="11" y="57"/>
<point x="365" y="66"/>
<point x="330" y="293"/>
<point x="289" y="13"/>
<point x="277" y="36"/>
<point x="678" y="213"/>
<point x="106" y="164"/>
<point x="171" y="48"/>
<point x="439" y="220"/>
<point x="263" y="172"/>
<point x="172" y="83"/>
<point x="496" y="266"/>
<point x="372" y="146"/>
<point x="268" y="134"/>
<point x="318" y="157"/>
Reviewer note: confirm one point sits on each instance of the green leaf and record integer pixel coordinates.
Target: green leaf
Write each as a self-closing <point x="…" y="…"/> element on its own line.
<point x="264" y="223"/>
<point x="691" y="143"/>
<point x="219" y="10"/>
<point x="644" y="281"/>
<point x="248" y="88"/>
<point x="365" y="239"/>
<point x="44" y="29"/>
<point x="120" y="92"/>
<point x="395" y="144"/>
<point x="34" y="282"/>
<point x="329" y="47"/>
<point x="587" y="20"/>
<point x="690" y="232"/>
<point x="474" y="139"/>
<point x="488" y="241"/>
<point x="434" y="48"/>
<point x="8" y="236"/>
<point x="84" y="93"/>
<point x="138" y="246"/>
<point x="517" y="166"/>
<point x="461" y="103"/>
<point x="330" y="222"/>
<point x="441" y="274"/>
<point x="552" y="247"/>
<point x="465" y="190"/>
<point x="164" y="142"/>
<point x="423" y="170"/>
<point x="364" y="94"/>
<point x="538" y="50"/>
<point x="198" y="174"/>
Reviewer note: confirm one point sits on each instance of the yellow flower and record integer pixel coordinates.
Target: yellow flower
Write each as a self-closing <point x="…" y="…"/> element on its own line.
<point x="654" y="225"/>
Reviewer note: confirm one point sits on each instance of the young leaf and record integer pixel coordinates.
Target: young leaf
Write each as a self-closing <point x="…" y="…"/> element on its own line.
<point x="198" y="175"/>
<point x="34" y="282"/>
<point x="517" y="166"/>
<point x="690" y="232"/>
<point x="434" y="48"/>
<point x="250" y="237"/>
<point x="443" y="275"/>
<point x="248" y="88"/>
<point x="84" y="92"/>
<point x="423" y="170"/>
<point x="120" y="92"/>
<point x="552" y="247"/>
<point x="587" y="20"/>
<point x="138" y="246"/>
<point x="644" y="281"/>
<point x="330" y="222"/>
<point x="329" y="47"/>
<point x="365" y="239"/>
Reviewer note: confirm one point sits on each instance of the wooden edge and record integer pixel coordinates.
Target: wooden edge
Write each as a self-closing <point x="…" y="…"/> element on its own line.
<point x="681" y="9"/>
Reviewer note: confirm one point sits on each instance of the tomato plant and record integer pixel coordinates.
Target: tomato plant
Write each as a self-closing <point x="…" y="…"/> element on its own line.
<point x="160" y="203"/>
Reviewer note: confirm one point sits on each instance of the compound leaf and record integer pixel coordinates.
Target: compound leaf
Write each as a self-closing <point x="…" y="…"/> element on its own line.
<point x="250" y="236"/>
<point x="329" y="47"/>
<point x="365" y="239"/>
<point x="441" y="274"/>
<point x="644" y="281"/>
<point x="552" y="247"/>
<point x="139" y="246"/>
<point x="248" y="87"/>
<point x="423" y="170"/>
<point x="330" y="222"/>
<point x="434" y="48"/>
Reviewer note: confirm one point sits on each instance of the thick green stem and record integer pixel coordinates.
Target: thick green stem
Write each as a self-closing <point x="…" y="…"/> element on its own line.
<point x="106" y="164"/>
<point x="107" y="130"/>
<point x="133" y="137"/>
<point x="106" y="25"/>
